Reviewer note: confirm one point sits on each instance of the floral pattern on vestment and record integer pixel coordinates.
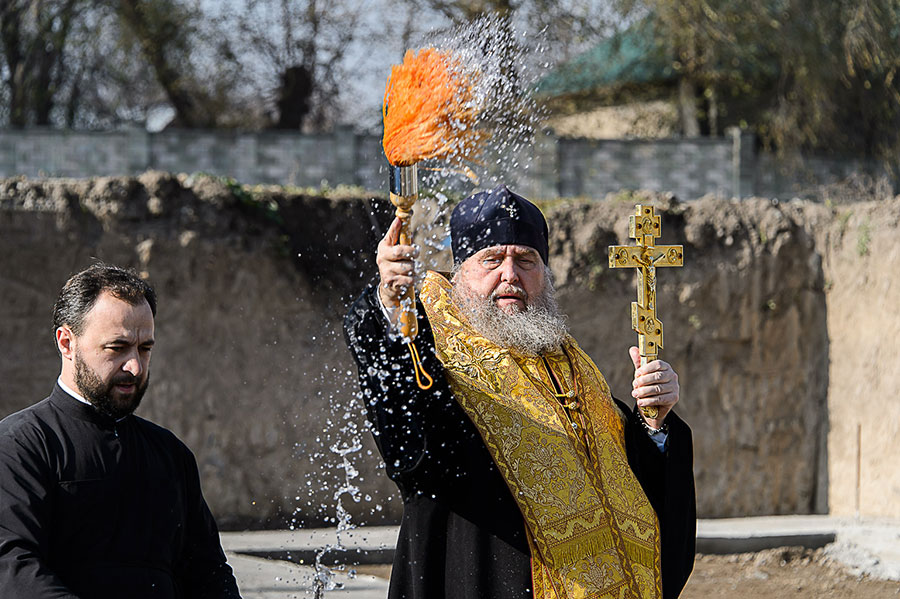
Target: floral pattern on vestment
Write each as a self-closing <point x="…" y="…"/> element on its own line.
<point x="592" y="531"/>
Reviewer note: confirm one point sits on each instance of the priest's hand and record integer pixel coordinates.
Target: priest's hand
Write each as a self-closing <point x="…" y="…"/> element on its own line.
<point x="655" y="384"/>
<point x="396" y="266"/>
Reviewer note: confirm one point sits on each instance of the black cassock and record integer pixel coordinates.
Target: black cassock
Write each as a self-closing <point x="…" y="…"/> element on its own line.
<point x="462" y="535"/>
<point x="97" y="509"/>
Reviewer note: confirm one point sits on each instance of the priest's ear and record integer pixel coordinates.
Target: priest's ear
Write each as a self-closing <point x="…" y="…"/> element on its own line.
<point x="65" y="342"/>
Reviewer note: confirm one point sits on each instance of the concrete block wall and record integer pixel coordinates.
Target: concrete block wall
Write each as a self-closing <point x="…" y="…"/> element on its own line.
<point x="45" y="152"/>
<point x="730" y="166"/>
<point x="687" y="168"/>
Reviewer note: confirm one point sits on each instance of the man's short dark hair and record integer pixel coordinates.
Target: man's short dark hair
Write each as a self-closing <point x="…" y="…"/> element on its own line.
<point x="81" y="291"/>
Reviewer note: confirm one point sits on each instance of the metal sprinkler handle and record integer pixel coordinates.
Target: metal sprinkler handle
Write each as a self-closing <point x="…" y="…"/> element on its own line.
<point x="404" y="193"/>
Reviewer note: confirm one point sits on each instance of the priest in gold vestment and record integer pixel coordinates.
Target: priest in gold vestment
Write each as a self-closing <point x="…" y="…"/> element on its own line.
<point x="521" y="476"/>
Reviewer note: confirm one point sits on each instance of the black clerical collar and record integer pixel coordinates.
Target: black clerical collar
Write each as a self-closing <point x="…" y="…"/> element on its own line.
<point x="77" y="409"/>
<point x="71" y="391"/>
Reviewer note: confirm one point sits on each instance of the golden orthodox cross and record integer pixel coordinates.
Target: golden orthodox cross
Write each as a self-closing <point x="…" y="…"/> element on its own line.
<point x="644" y="227"/>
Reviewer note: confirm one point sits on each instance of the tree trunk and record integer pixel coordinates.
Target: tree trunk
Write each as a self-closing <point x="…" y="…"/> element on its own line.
<point x="687" y="108"/>
<point x="11" y="36"/>
<point x="157" y="40"/>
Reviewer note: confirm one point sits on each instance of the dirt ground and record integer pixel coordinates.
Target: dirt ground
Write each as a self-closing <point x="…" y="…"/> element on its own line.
<point x="783" y="573"/>
<point x="786" y="572"/>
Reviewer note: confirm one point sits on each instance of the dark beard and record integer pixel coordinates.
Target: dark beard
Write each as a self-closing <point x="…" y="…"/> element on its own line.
<point x="101" y="395"/>
<point x="538" y="329"/>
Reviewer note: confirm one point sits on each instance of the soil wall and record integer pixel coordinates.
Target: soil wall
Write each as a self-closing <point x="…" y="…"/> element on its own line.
<point x="861" y="252"/>
<point x="779" y="326"/>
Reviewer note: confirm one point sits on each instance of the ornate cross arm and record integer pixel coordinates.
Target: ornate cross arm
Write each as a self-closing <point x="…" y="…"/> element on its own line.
<point x="644" y="227"/>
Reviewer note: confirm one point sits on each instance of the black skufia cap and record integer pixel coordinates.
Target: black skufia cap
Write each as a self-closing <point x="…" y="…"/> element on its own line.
<point x="496" y="217"/>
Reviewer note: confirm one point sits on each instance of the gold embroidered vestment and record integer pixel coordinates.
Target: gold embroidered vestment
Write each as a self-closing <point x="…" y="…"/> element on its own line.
<point x="591" y="529"/>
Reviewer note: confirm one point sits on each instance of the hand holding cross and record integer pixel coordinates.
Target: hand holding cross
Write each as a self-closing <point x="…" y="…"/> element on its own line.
<point x="644" y="227"/>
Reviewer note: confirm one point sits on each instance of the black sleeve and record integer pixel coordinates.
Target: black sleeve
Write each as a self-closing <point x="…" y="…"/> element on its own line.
<point x="26" y="485"/>
<point x="418" y="432"/>
<point x="430" y="446"/>
<point x="204" y="572"/>
<point x="386" y="379"/>
<point x="667" y="478"/>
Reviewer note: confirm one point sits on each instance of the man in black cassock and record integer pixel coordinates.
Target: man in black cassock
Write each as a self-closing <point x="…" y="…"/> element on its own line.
<point x="480" y="457"/>
<point x="95" y="502"/>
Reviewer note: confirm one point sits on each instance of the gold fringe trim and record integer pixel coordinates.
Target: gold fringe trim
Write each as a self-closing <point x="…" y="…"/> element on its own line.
<point x="573" y="550"/>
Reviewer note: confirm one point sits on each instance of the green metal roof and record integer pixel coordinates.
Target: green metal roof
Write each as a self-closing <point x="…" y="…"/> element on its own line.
<point x="630" y="56"/>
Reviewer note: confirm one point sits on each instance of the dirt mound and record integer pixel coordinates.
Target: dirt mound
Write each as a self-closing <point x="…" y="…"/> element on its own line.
<point x="780" y="325"/>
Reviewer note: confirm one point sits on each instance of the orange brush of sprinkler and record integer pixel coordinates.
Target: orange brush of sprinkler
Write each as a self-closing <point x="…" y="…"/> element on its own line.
<point x="429" y="113"/>
<point x="429" y="109"/>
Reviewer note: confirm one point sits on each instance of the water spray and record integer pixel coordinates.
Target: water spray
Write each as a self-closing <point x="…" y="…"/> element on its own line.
<point x="437" y="107"/>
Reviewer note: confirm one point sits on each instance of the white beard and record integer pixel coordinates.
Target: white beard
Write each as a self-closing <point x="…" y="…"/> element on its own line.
<point x="538" y="329"/>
